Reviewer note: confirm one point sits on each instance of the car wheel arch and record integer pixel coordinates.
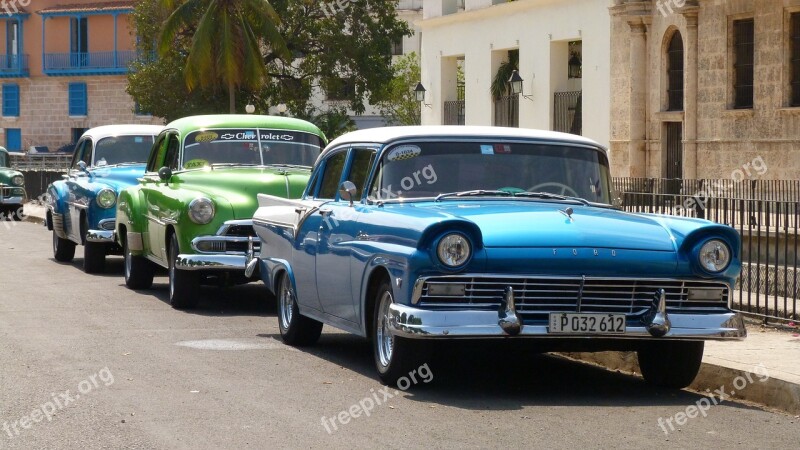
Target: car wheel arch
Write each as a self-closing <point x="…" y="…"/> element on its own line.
<point x="378" y="275"/>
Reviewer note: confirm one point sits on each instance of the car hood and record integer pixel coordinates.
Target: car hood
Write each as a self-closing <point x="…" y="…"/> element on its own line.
<point x="522" y="223"/>
<point x="118" y="177"/>
<point x="6" y="174"/>
<point x="239" y="187"/>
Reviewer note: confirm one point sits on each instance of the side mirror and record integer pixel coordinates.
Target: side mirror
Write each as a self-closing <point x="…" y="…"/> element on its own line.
<point x="347" y="191"/>
<point x="165" y="174"/>
<point x="82" y="167"/>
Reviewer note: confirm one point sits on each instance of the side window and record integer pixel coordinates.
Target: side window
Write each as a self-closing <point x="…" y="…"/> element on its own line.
<point x="360" y="167"/>
<point x="173" y="148"/>
<point x="331" y="176"/>
<point x="156" y="153"/>
<point x="312" y="185"/>
<point x="78" y="155"/>
<point x="87" y="152"/>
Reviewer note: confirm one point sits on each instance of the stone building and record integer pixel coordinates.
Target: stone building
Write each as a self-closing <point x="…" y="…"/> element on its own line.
<point x="63" y="69"/>
<point x="703" y="88"/>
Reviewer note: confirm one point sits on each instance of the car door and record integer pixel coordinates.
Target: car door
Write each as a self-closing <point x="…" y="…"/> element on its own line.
<point x="160" y="216"/>
<point x="76" y="184"/>
<point x="338" y="232"/>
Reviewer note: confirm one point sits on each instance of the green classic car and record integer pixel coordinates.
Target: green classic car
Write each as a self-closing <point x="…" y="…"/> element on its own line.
<point x="12" y="189"/>
<point x="192" y="211"/>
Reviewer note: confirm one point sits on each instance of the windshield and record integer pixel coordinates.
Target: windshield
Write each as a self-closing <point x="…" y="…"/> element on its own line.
<point x="122" y="149"/>
<point x="4" y="160"/>
<point x="250" y="147"/>
<point x="426" y="170"/>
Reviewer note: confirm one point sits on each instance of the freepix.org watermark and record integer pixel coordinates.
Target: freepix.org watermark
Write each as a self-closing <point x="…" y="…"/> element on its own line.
<point x="717" y="397"/>
<point x="367" y="404"/>
<point x="58" y="402"/>
<point x="11" y="7"/>
<point x="667" y="7"/>
<point x="755" y="168"/>
<point x="426" y="175"/>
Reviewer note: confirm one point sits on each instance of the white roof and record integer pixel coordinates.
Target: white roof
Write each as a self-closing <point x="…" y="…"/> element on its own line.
<point x="386" y="134"/>
<point x="122" y="130"/>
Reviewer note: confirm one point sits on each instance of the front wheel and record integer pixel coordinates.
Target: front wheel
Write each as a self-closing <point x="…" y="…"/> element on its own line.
<point x="138" y="270"/>
<point x="670" y="364"/>
<point x="94" y="257"/>
<point x="184" y="285"/>
<point x="295" y="329"/>
<point x="63" y="249"/>
<point x="395" y="357"/>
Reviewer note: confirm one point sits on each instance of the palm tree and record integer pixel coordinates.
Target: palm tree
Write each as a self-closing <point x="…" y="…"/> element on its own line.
<point x="227" y="39"/>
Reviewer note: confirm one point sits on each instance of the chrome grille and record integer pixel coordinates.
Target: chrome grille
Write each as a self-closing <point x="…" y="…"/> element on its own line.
<point x="243" y="231"/>
<point x="535" y="295"/>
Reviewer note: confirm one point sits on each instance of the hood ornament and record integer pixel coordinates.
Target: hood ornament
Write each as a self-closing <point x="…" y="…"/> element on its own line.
<point x="567" y="212"/>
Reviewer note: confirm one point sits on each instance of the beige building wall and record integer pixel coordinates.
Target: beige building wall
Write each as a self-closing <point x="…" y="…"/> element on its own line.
<point x="726" y="139"/>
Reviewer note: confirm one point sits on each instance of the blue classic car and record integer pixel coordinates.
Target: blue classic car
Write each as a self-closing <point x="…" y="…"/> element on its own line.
<point x="80" y="208"/>
<point x="410" y="234"/>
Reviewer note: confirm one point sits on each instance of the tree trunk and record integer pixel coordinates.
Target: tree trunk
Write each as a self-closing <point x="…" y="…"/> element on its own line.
<point x="232" y="97"/>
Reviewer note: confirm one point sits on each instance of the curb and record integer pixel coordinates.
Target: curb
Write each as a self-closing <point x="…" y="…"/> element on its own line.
<point x="772" y="392"/>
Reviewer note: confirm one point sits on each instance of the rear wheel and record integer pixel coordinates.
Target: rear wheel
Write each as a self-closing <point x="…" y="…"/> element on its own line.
<point x="670" y="364"/>
<point x="295" y="329"/>
<point x="63" y="249"/>
<point x="395" y="357"/>
<point x="138" y="270"/>
<point x="184" y="285"/>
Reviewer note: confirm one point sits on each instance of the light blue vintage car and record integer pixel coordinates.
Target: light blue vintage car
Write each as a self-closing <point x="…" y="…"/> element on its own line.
<point x="410" y="234"/>
<point x="81" y="207"/>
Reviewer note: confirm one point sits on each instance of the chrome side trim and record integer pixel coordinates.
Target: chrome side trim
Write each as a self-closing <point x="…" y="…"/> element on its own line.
<point x="58" y="225"/>
<point x="134" y="241"/>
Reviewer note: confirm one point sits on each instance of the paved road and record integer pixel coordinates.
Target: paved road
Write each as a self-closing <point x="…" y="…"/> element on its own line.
<point x="116" y="368"/>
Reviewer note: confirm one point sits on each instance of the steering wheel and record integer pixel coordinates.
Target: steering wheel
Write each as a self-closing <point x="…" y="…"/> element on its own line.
<point x="565" y="190"/>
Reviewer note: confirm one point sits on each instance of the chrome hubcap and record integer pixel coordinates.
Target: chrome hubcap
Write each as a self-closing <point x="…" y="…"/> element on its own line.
<point x="384" y="338"/>
<point x="286" y="303"/>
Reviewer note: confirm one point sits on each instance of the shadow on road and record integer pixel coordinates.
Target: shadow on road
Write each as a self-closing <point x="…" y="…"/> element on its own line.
<point x="506" y="375"/>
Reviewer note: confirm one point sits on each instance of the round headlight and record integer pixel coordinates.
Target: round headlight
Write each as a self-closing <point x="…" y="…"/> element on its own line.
<point x="106" y="198"/>
<point x="201" y="210"/>
<point x="454" y="250"/>
<point x="17" y="180"/>
<point x="715" y="256"/>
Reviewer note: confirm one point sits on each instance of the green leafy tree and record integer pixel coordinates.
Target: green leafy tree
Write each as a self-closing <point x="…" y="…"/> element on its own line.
<point x="398" y="103"/>
<point x="333" y="123"/>
<point x="327" y="43"/>
<point x="226" y="41"/>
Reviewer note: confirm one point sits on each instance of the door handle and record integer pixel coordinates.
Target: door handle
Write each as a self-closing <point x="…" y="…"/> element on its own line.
<point x="325" y="212"/>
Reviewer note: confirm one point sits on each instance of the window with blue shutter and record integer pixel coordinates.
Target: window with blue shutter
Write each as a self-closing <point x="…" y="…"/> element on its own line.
<point x="10" y="100"/>
<point x="13" y="139"/>
<point x="77" y="99"/>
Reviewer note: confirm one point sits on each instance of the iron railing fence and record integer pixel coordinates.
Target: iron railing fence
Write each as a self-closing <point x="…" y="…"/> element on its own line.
<point x="506" y="111"/>
<point x="766" y="213"/>
<point x="454" y="112"/>
<point x="41" y="161"/>
<point x="567" y="112"/>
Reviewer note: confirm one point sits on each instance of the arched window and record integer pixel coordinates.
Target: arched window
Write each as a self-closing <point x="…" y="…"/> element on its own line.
<point x="675" y="73"/>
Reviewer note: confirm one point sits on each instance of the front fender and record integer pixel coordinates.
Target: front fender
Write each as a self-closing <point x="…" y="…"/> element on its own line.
<point x="130" y="214"/>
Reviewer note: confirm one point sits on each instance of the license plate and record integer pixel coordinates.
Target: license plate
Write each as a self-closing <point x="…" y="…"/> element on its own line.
<point x="571" y="323"/>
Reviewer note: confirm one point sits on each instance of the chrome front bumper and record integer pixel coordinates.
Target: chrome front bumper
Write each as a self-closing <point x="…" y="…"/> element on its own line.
<point x="220" y="260"/>
<point x="410" y="322"/>
<point x="104" y="236"/>
<point x="7" y="199"/>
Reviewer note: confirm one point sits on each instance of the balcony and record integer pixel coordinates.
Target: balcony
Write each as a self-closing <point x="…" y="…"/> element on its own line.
<point x="13" y="66"/>
<point x="92" y="63"/>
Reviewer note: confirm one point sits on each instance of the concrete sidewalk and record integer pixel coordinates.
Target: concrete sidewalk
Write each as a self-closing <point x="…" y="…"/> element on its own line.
<point x="764" y="368"/>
